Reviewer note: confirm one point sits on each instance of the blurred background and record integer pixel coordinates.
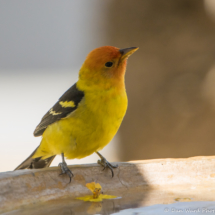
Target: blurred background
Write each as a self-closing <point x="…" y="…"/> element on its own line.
<point x="170" y="80"/>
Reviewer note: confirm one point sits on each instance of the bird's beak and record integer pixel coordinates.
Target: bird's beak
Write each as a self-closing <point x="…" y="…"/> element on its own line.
<point x="127" y="52"/>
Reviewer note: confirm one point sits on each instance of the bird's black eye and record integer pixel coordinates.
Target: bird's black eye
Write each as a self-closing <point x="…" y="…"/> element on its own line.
<point x="109" y="64"/>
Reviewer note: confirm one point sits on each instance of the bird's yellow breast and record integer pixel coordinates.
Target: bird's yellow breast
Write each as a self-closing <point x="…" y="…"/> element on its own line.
<point x="89" y="128"/>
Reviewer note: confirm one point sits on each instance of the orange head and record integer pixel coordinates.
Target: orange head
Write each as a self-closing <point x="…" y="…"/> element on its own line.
<point x="105" y="66"/>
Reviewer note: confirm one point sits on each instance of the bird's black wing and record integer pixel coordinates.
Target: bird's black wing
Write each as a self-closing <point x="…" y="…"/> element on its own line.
<point x="67" y="103"/>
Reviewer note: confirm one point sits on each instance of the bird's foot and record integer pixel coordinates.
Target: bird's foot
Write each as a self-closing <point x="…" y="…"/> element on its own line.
<point x="103" y="162"/>
<point x="66" y="170"/>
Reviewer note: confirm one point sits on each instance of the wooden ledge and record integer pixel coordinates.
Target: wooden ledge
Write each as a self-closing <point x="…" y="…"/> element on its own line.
<point x="26" y="187"/>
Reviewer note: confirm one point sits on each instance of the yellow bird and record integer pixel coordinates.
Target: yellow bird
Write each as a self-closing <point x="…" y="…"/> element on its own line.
<point x="88" y="115"/>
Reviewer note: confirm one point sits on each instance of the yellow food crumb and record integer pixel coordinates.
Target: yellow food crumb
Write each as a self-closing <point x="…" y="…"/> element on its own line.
<point x="95" y="188"/>
<point x="183" y="199"/>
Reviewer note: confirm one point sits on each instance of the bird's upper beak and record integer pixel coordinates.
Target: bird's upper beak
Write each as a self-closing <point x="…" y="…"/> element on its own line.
<point x="127" y="52"/>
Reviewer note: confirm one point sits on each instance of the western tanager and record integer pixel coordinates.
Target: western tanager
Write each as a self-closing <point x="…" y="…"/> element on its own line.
<point x="88" y="115"/>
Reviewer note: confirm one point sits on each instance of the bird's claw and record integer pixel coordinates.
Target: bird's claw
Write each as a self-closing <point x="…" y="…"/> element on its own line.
<point x="66" y="170"/>
<point x="103" y="162"/>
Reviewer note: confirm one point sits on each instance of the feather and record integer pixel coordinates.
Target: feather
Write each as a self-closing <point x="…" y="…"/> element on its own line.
<point x="67" y="103"/>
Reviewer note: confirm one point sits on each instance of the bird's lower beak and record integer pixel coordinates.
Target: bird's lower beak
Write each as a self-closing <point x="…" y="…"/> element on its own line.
<point x="127" y="52"/>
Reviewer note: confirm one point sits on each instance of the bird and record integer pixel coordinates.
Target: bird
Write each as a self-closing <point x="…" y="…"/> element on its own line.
<point x="88" y="115"/>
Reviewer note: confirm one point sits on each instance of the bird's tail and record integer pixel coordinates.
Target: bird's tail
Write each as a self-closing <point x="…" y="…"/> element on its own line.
<point x="35" y="163"/>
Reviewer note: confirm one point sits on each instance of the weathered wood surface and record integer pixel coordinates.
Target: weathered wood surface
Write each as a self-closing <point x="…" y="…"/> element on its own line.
<point x="26" y="187"/>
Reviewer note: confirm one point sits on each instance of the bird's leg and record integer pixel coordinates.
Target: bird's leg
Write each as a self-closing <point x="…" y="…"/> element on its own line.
<point x="64" y="168"/>
<point x="103" y="162"/>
